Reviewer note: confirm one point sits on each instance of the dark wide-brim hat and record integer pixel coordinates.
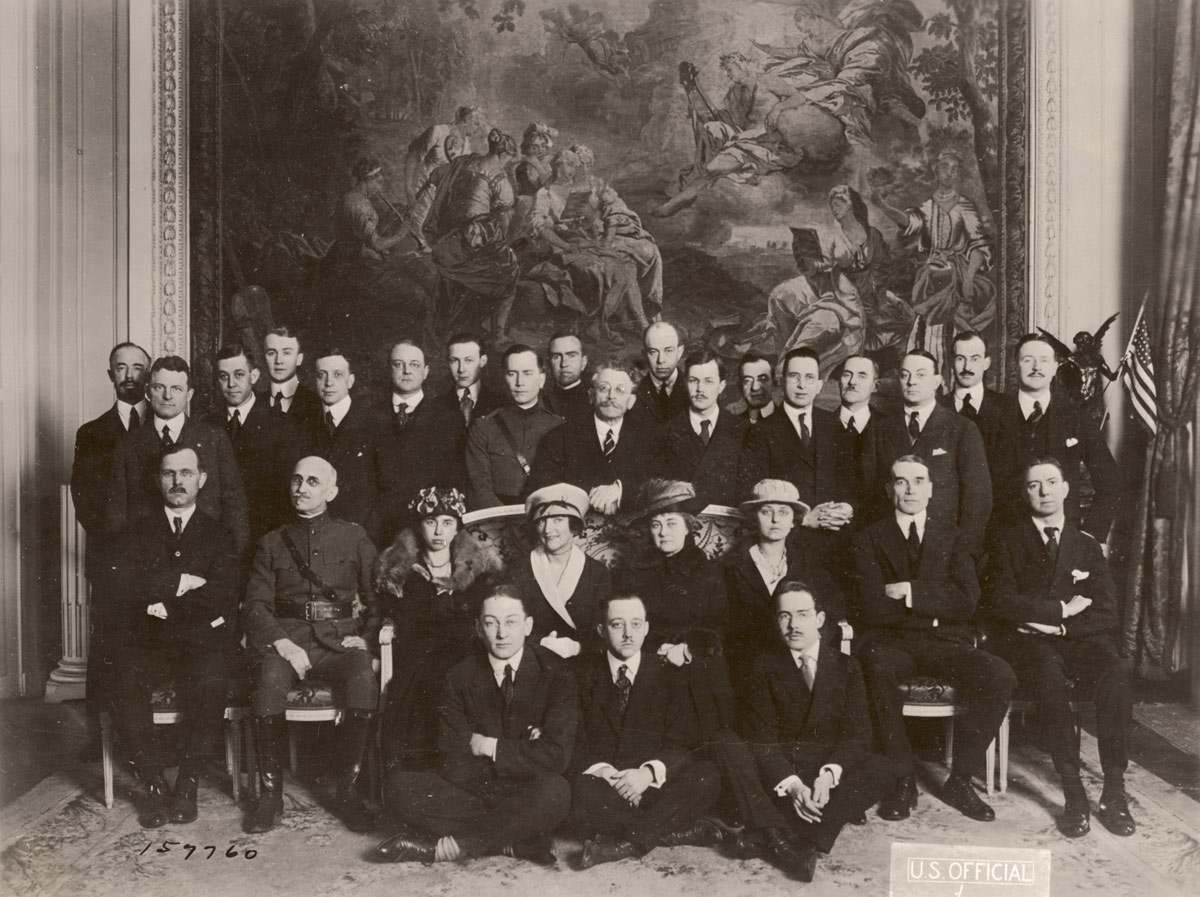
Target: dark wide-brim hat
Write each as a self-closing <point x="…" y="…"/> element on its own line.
<point x="668" y="497"/>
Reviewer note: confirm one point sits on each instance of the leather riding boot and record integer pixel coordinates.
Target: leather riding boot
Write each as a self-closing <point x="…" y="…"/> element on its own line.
<point x="270" y="739"/>
<point x="154" y="811"/>
<point x="183" y="795"/>
<point x="350" y="807"/>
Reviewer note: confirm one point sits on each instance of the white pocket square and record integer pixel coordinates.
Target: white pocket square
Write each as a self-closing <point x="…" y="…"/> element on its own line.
<point x="1079" y="575"/>
<point x="1072" y="441"/>
<point x="938" y="451"/>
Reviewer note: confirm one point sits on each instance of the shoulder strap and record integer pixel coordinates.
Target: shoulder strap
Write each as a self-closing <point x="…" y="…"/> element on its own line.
<point x="512" y="441"/>
<point x="305" y="570"/>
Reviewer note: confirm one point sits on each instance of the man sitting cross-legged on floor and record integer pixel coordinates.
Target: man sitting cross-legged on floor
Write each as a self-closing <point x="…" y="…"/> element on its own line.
<point x="1048" y="587"/>
<point x="174" y="602"/>
<point x="299" y="618"/>
<point x="806" y="714"/>
<point x="506" y="727"/>
<point x="638" y="784"/>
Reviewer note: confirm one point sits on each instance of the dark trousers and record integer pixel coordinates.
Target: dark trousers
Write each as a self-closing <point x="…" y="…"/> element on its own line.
<point x="596" y="808"/>
<point x="734" y="758"/>
<point x="1045" y="666"/>
<point x="504" y="811"/>
<point x="860" y="788"/>
<point x="348" y="672"/>
<point x="984" y="682"/>
<point x="202" y="679"/>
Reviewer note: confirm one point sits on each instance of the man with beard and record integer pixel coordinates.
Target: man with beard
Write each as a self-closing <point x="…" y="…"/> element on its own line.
<point x="568" y="395"/>
<point x="756" y="376"/>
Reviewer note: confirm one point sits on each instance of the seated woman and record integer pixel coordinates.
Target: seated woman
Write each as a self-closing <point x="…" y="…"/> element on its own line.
<point x="562" y="585"/>
<point x="425" y="579"/>
<point x="684" y="594"/>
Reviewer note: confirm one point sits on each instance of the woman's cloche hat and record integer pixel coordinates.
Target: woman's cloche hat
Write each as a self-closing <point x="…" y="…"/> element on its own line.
<point x="558" y="500"/>
<point x="774" y="492"/>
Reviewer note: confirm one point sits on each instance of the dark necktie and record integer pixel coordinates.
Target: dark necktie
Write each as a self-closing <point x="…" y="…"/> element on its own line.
<point x="914" y="426"/>
<point x="806" y="670"/>
<point x="610" y="445"/>
<point x="401" y="416"/>
<point x="506" y="690"/>
<point x="968" y="409"/>
<point x="178" y="526"/>
<point x="805" y="435"/>
<point x="277" y="402"/>
<point x="167" y="441"/>
<point x="664" y="398"/>
<point x="134" y="420"/>
<point x="235" y="424"/>
<point x="1034" y="416"/>
<point x="913" y="550"/>
<point x="330" y="426"/>
<point x="1051" y="543"/>
<point x="624" y="687"/>
<point x="851" y="427"/>
<point x="465" y="405"/>
<point x="705" y="427"/>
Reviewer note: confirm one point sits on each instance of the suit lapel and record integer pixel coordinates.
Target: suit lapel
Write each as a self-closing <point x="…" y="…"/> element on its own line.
<point x="933" y="434"/>
<point x="1070" y="550"/>
<point x="525" y="688"/>
<point x="487" y="697"/>
<point x="640" y="695"/>
<point x="937" y="539"/>
<point x="895" y="549"/>
<point x="793" y="681"/>
<point x="823" y="690"/>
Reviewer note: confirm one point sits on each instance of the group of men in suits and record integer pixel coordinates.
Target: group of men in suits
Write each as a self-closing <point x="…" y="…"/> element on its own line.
<point x="904" y="511"/>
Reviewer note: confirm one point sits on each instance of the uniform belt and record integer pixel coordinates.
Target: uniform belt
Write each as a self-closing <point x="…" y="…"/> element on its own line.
<point x="313" y="611"/>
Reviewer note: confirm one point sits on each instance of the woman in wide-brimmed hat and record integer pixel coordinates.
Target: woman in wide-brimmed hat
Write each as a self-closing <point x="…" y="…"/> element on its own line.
<point x="684" y="594"/>
<point x="562" y="586"/>
<point x="425" y="581"/>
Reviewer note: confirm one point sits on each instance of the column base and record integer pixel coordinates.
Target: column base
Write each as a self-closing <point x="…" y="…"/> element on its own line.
<point x="68" y="682"/>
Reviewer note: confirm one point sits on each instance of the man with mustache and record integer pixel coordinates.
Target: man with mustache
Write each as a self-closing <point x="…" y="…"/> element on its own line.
<point x="702" y="447"/>
<point x="970" y="397"/>
<point x="175" y="577"/>
<point x="133" y="492"/>
<point x="608" y="454"/>
<point x="299" y="618"/>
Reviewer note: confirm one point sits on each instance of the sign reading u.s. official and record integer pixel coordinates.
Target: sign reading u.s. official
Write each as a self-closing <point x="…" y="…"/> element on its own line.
<point x="947" y="870"/>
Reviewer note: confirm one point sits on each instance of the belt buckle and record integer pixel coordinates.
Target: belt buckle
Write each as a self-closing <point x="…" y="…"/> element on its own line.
<point x="308" y="612"/>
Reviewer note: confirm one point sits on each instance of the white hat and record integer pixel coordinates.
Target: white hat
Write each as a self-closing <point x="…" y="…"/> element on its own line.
<point x="774" y="492"/>
<point x="558" y="500"/>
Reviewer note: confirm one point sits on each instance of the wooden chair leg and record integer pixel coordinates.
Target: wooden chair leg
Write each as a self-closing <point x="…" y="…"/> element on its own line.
<point x="292" y="749"/>
<point x="990" y="766"/>
<point x="949" y="742"/>
<point x="233" y="755"/>
<point x="1004" y="735"/>
<point x="106" y="756"/>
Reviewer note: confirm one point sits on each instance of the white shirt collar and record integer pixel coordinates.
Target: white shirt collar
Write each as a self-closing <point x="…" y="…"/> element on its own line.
<point x="123" y="409"/>
<point x="1026" y="400"/>
<point x="615" y="663"/>
<point x="1058" y="521"/>
<point x="411" y="401"/>
<point x="185" y="513"/>
<point x="287" y="388"/>
<point x="175" y="424"/>
<point x="338" y="410"/>
<point x="531" y="405"/>
<point x="975" y="392"/>
<point x="603" y="426"/>
<point x="473" y="389"/>
<point x="861" y="417"/>
<point x="242" y="409"/>
<point x="710" y="415"/>
<point x="670" y="384"/>
<point x="795" y="414"/>
<point x="756" y="414"/>
<point x="572" y="386"/>
<point x="499" y="665"/>
<point x="903" y="520"/>
<point x="923" y="412"/>
<point x="813" y="651"/>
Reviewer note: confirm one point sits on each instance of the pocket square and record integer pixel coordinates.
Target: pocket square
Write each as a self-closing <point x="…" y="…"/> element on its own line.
<point x="938" y="451"/>
<point x="1072" y="442"/>
<point x="1079" y="576"/>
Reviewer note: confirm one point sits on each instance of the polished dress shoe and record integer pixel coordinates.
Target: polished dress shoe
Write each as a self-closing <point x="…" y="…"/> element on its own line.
<point x="603" y="849"/>
<point x="901" y="802"/>
<point x="154" y="811"/>
<point x="794" y="860"/>
<point x="958" y="793"/>
<point x="1074" y="823"/>
<point x="534" y="850"/>
<point x="183" y="800"/>
<point x="748" y="845"/>
<point x="1113" y="813"/>
<point x="405" y="848"/>
<point x="704" y="832"/>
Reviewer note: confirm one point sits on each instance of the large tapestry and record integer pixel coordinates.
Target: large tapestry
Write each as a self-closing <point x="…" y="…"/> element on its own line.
<point x="843" y="174"/>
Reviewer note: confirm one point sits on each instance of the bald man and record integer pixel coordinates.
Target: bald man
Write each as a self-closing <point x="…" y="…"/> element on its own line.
<point x="663" y="394"/>
<point x="298" y="616"/>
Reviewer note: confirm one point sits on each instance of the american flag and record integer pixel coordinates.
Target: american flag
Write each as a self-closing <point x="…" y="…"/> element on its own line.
<point x="1137" y="374"/>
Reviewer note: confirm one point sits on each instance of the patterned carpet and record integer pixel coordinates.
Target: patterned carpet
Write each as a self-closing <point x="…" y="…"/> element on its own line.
<point x="60" y="840"/>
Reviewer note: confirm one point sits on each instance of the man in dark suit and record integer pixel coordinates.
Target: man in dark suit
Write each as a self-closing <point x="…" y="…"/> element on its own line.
<point x="950" y="444"/>
<point x="756" y="377"/>
<point x="502" y="445"/>
<point x="1050" y="593"/>
<point x="284" y="355"/>
<point x="636" y="784"/>
<point x="1040" y="422"/>
<point x="91" y="476"/>
<point x="970" y="397"/>
<point x="351" y="437"/>
<point x="267" y="444"/>
<point x="858" y="423"/>
<point x="134" y="493"/>
<point x="799" y="443"/>
<point x="422" y="442"/>
<point x="175" y="605"/>
<point x="568" y="393"/>
<point x="299" y="616"/>
<point x="916" y="590"/>
<point x="661" y="395"/>
<point x="508" y="719"/>
<point x="609" y="454"/>
<point x="702" y="447"/>
<point x="807" y="715"/>
<point x="470" y="398"/>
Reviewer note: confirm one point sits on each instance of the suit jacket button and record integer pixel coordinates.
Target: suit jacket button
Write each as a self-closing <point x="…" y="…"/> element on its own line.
<point x="176" y="554"/>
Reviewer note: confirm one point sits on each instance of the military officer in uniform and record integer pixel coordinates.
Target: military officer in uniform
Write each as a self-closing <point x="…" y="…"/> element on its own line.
<point x="299" y="617"/>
